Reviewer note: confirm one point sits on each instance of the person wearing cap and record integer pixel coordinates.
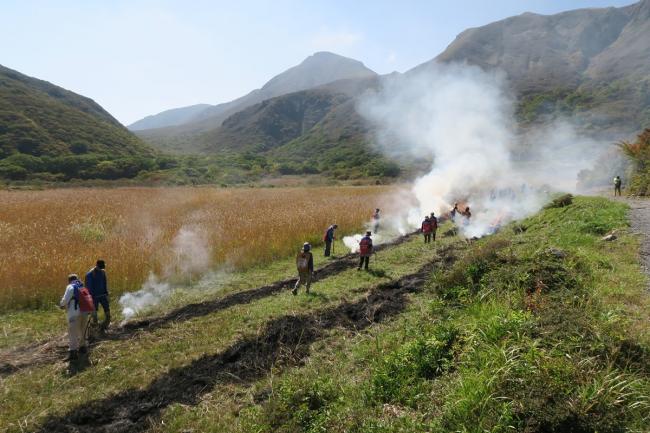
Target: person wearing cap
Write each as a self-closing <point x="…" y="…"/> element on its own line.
<point x="328" y="238"/>
<point x="305" y="265"/>
<point x="77" y="321"/>
<point x="365" y="250"/>
<point x="98" y="286"/>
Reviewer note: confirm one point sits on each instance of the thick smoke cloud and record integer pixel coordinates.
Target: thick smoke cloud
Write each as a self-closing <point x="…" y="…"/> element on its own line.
<point x="462" y="119"/>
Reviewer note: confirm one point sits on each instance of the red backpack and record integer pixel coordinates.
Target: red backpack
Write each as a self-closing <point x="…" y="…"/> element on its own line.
<point x="365" y="246"/>
<point x="84" y="300"/>
<point x="426" y="227"/>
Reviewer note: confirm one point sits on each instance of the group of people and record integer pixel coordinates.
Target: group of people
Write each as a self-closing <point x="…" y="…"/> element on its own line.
<point x="305" y="258"/>
<point x="81" y="301"/>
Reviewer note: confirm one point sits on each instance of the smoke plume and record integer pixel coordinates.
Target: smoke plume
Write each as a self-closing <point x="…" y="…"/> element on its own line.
<point x="462" y="119"/>
<point x="190" y="259"/>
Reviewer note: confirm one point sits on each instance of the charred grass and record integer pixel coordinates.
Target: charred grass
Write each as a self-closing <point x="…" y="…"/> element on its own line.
<point x="537" y="330"/>
<point x="136" y="363"/>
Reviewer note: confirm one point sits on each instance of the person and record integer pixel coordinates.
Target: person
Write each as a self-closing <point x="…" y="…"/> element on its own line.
<point x="434" y="225"/>
<point x="365" y="250"/>
<point x="426" y="229"/>
<point x="305" y="265"/>
<point x="375" y="220"/>
<point x="454" y="211"/>
<point x="617" y="185"/>
<point x="77" y="320"/>
<point x="97" y="284"/>
<point x="328" y="238"/>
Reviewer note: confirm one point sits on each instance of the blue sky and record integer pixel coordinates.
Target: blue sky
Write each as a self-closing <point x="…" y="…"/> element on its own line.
<point x="140" y="57"/>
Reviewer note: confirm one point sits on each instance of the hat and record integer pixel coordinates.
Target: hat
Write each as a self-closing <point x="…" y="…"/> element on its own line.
<point x="73" y="277"/>
<point x="101" y="264"/>
<point x="368" y="233"/>
<point x="306" y="246"/>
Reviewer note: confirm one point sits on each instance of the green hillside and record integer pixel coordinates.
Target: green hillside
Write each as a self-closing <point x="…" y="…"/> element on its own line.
<point x="51" y="133"/>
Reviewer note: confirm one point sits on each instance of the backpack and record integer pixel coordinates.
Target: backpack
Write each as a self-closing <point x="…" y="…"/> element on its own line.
<point x="303" y="262"/>
<point x="83" y="300"/>
<point x="365" y="246"/>
<point x="426" y="227"/>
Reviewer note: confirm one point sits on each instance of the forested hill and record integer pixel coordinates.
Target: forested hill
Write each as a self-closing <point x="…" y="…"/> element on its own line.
<point x="52" y="133"/>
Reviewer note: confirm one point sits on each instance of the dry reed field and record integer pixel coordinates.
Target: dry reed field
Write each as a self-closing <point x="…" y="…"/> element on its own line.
<point x="45" y="235"/>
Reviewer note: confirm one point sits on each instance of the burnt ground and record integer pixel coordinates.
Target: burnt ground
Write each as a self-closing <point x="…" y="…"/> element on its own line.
<point x="282" y="343"/>
<point x="56" y="349"/>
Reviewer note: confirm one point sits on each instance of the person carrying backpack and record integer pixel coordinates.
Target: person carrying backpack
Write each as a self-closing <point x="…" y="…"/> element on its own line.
<point x="305" y="265"/>
<point x="434" y="225"/>
<point x="328" y="238"/>
<point x="97" y="284"/>
<point x="78" y="304"/>
<point x="365" y="251"/>
<point x="617" y="185"/>
<point x="426" y="229"/>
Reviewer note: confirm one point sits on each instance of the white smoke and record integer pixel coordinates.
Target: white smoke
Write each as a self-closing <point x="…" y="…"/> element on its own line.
<point x="462" y="118"/>
<point x="191" y="258"/>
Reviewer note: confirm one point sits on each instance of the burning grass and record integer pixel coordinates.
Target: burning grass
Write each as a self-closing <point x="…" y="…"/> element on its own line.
<point x="176" y="232"/>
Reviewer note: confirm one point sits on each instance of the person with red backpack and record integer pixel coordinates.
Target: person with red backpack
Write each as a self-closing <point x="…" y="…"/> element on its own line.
<point x="365" y="251"/>
<point x="328" y="238"/>
<point x="426" y="229"/>
<point x="305" y="265"/>
<point x="78" y="303"/>
<point x="434" y="225"/>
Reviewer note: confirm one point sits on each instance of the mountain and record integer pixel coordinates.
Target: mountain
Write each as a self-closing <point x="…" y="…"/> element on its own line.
<point x="317" y="70"/>
<point x="593" y="64"/>
<point x="45" y="128"/>
<point x="173" y="117"/>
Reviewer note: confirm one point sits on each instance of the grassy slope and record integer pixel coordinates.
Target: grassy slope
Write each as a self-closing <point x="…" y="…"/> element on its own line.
<point x="472" y="353"/>
<point x="135" y="363"/>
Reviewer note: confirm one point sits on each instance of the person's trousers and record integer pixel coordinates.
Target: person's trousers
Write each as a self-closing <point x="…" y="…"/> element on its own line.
<point x="328" y="248"/>
<point x="617" y="190"/>
<point x="77" y="331"/>
<point x="103" y="301"/>
<point x="427" y="238"/>
<point x="303" y="278"/>
<point x="364" y="260"/>
<point x="433" y="235"/>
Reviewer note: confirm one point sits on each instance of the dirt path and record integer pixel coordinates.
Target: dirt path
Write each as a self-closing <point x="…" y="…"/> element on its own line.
<point x="53" y="350"/>
<point x="640" y="224"/>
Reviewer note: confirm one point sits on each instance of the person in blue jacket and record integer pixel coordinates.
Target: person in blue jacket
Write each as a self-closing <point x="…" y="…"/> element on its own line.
<point x="98" y="286"/>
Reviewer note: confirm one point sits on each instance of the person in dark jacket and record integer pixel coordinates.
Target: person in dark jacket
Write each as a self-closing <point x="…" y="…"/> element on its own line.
<point x="305" y="265"/>
<point x="329" y="239"/>
<point x="98" y="286"/>
<point x="365" y="251"/>
<point x="434" y="225"/>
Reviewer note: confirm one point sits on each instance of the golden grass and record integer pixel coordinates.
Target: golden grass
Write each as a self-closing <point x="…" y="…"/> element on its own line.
<point x="45" y="235"/>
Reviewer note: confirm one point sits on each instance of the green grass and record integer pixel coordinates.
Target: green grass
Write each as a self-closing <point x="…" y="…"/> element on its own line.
<point x="482" y="350"/>
<point x="120" y="365"/>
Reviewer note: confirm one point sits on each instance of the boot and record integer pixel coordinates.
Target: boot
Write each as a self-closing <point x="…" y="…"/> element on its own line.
<point x="73" y="355"/>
